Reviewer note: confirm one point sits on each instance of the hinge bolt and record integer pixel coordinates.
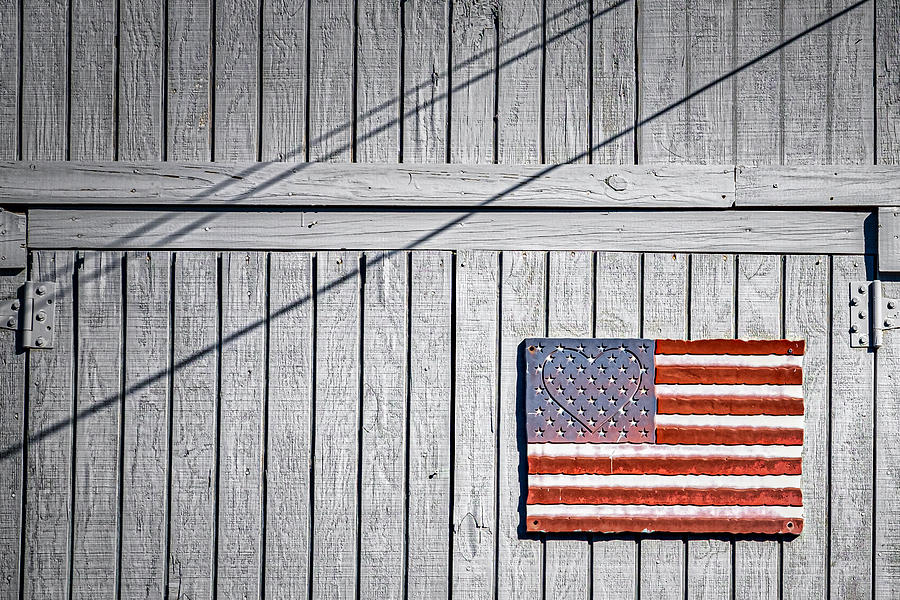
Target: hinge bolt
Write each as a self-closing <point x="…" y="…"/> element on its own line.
<point x="854" y="329"/>
<point x="41" y="290"/>
<point x="854" y="301"/>
<point x="11" y="322"/>
<point x="15" y="306"/>
<point x="863" y="288"/>
<point x="892" y="304"/>
<point x="888" y="323"/>
<point x="862" y="340"/>
<point x="40" y="342"/>
<point x="41" y="316"/>
<point x="862" y="314"/>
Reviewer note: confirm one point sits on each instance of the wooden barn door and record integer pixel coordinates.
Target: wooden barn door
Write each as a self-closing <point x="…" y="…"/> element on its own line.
<point x="344" y="424"/>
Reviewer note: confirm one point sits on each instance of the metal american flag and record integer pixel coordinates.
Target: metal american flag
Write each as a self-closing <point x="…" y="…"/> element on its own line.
<point x="639" y="435"/>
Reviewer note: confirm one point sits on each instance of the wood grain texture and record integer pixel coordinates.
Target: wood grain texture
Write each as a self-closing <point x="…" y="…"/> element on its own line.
<point x="430" y="406"/>
<point x="235" y="131"/>
<point x="570" y="305"/>
<point x="241" y="424"/>
<point x="613" y="101"/>
<point x="9" y="79"/>
<point x="49" y="457"/>
<point x="662" y="76"/>
<point x="519" y="81"/>
<point x="331" y="31"/>
<point x="426" y="85"/>
<point x="617" y="314"/>
<point x="475" y="424"/>
<point x="760" y="288"/>
<point x="44" y="118"/>
<point x="852" y="442"/>
<point x="382" y="545"/>
<point x="887" y="458"/>
<point x="337" y="431"/>
<point x="283" y="85"/>
<point x="758" y="89"/>
<point x="712" y="310"/>
<point x="195" y="408"/>
<point x="567" y="69"/>
<point x="887" y="92"/>
<point x="12" y="432"/>
<point x="372" y="184"/>
<point x="189" y="92"/>
<point x="817" y="186"/>
<point x="148" y="331"/>
<point x="13" y="254"/>
<point x="99" y="408"/>
<point x="140" y="72"/>
<point x="474" y="44"/>
<point x="730" y="231"/>
<point x="288" y="455"/>
<point x="665" y="313"/>
<point x="807" y="317"/>
<point x="378" y="73"/>
<point x="889" y="239"/>
<point x="519" y="558"/>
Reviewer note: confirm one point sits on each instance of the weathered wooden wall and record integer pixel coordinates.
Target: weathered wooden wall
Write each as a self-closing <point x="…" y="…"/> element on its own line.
<point x="252" y="424"/>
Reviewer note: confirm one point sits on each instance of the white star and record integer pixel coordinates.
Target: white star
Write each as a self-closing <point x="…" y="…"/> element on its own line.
<point x="622" y="369"/>
<point x="580" y="348"/>
<point x="592" y="379"/>
<point x="539" y="411"/>
<point x="591" y="422"/>
<point x="602" y="348"/>
<point x="643" y="433"/>
<point x="539" y="432"/>
<point x="632" y="422"/>
<point x="632" y="358"/>
<point x="549" y="422"/>
<point x="633" y="380"/>
<point x="612" y="422"/>
<point x="570" y="400"/>
<point x="538" y="390"/>
<point x="570" y="422"/>
<point x="580" y="411"/>
<point x="643" y="348"/>
<point x="570" y="379"/>
<point x="644" y="412"/>
<point x="612" y="379"/>
<point x="643" y="370"/>
<point x="560" y="433"/>
<point x="644" y="391"/>
<point x="560" y="390"/>
<point x="539" y="347"/>
<point x="581" y="433"/>
<point x="537" y="369"/>
<point x="560" y="348"/>
<point x="580" y="369"/>
<point x="559" y="411"/>
<point x="570" y="358"/>
<point x="622" y="391"/>
<point x="559" y="368"/>
<point x="580" y="391"/>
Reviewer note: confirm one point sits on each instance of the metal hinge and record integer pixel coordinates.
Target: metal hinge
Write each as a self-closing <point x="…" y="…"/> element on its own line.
<point x="871" y="314"/>
<point x="32" y="314"/>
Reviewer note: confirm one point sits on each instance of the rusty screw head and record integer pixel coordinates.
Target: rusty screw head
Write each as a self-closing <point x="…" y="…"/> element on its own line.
<point x="40" y="342"/>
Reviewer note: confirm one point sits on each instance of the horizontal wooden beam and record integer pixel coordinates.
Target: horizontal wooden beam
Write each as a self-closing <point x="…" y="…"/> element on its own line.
<point x="889" y="239"/>
<point x="818" y="186"/>
<point x="802" y="232"/>
<point x="12" y="240"/>
<point x="366" y="184"/>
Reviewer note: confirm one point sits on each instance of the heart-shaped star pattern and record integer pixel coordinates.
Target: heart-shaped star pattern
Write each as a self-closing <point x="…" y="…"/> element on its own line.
<point x="590" y="390"/>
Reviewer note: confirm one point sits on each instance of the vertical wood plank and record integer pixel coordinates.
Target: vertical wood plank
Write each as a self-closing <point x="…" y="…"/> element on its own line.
<point x="613" y="101"/>
<point x="662" y="77"/>
<point x="519" y="81"/>
<point x="887" y="92"/>
<point x="235" y="131"/>
<point x="141" y="89"/>
<point x="99" y="408"/>
<point x="474" y="527"/>
<point x="331" y="85"/>
<point x="284" y="33"/>
<point x="48" y="454"/>
<point x="9" y="79"/>
<point x="852" y="441"/>
<point x="288" y="484"/>
<point x="428" y="547"/>
<point x="337" y="421"/>
<point x="241" y="425"/>
<point x="887" y="459"/>
<point x="666" y="309"/>
<point x="426" y="91"/>
<point x="188" y="119"/>
<point x="569" y="314"/>
<point x="44" y="75"/>
<point x="378" y="91"/>
<point x="195" y="389"/>
<point x="384" y="426"/>
<point x="92" y="73"/>
<point x="12" y="421"/>
<point x="618" y="306"/>
<point x="566" y="81"/>
<point x="146" y="427"/>
<point x="806" y="291"/>
<point x="474" y="44"/>
<point x="519" y="558"/>
<point x="712" y="316"/>
<point x="758" y="89"/>
<point x="756" y="563"/>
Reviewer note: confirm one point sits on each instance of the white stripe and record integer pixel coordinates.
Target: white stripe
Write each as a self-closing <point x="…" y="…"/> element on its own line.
<point x="728" y="360"/>
<point x="740" y="482"/>
<point x="773" y="421"/>
<point x="758" y="390"/>
<point x="662" y="450"/>
<point x="674" y="511"/>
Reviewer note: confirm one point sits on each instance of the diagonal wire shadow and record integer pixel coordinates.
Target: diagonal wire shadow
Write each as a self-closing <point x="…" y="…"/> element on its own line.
<point x="12" y="450"/>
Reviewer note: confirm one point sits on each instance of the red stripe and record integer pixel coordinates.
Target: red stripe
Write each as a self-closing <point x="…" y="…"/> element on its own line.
<point x="667" y="496"/>
<point x="727" y="405"/>
<point x="687" y="525"/>
<point x="755" y="347"/>
<point x="730" y="375"/>
<point x="681" y="465"/>
<point x="730" y="436"/>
